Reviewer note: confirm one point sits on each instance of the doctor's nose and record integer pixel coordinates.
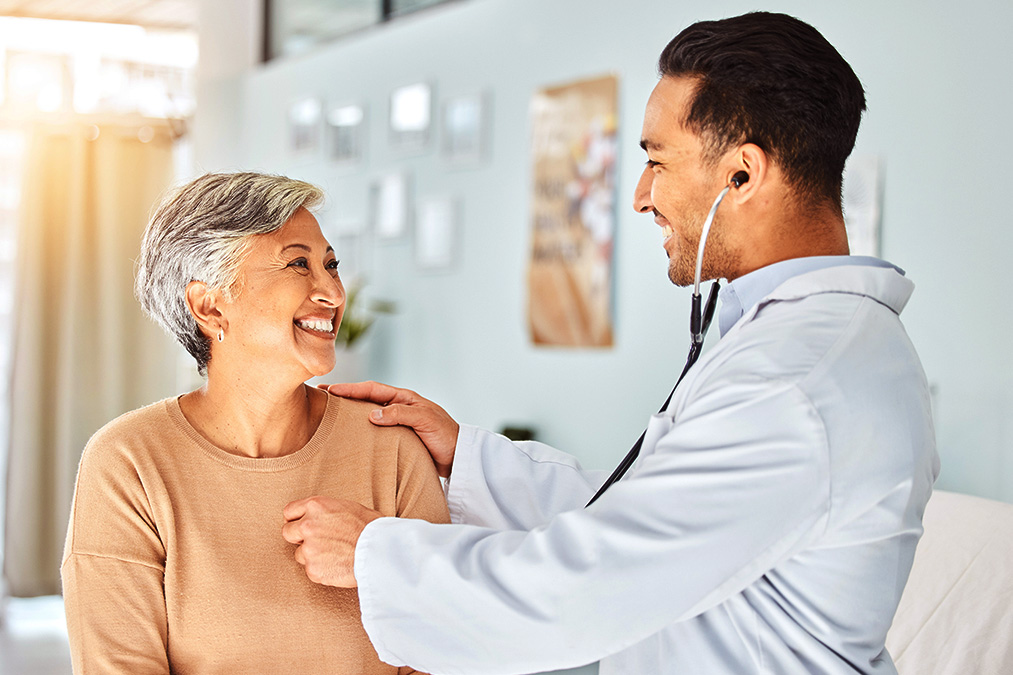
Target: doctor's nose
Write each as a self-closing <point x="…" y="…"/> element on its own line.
<point x="642" y="196"/>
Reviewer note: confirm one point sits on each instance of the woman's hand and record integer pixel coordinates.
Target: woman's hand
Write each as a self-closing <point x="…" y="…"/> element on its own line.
<point x="434" y="426"/>
<point x="326" y="530"/>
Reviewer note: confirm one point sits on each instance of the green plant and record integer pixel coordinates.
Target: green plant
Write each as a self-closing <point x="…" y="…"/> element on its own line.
<point x="359" y="316"/>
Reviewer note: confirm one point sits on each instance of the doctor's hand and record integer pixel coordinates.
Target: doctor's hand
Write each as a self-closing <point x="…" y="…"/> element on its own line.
<point x="326" y="531"/>
<point x="434" y="426"/>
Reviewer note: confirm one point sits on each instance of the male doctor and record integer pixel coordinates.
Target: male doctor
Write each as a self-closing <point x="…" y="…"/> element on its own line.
<point x="770" y="522"/>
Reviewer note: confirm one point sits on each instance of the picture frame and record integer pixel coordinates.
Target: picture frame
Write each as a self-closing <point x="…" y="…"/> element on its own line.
<point x="465" y="128"/>
<point x="304" y="118"/>
<point x="411" y="115"/>
<point x="862" y="194"/>
<point x="436" y="233"/>
<point x="391" y="206"/>
<point x="350" y="250"/>
<point x="346" y="133"/>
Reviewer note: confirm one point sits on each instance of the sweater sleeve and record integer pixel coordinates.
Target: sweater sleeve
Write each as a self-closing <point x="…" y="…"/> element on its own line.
<point x="113" y="569"/>
<point x="419" y="492"/>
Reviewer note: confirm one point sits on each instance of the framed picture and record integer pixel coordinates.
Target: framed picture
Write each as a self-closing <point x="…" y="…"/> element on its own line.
<point x="411" y="116"/>
<point x="304" y="125"/>
<point x="349" y="250"/>
<point x="464" y="128"/>
<point x="436" y="233"/>
<point x="391" y="206"/>
<point x="346" y="133"/>
<point x="863" y="197"/>
<point x="574" y="131"/>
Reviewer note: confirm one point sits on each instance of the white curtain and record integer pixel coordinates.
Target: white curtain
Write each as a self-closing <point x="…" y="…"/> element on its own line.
<point x="83" y="351"/>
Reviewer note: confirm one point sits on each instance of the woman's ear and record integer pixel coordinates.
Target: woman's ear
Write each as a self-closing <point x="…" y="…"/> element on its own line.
<point x="751" y="159"/>
<point x="203" y="305"/>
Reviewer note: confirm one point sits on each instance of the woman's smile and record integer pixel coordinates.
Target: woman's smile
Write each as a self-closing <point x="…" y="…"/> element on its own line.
<point x="322" y="328"/>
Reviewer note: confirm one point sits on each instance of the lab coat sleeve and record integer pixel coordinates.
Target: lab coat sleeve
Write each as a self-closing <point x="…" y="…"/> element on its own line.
<point x="510" y="485"/>
<point x="739" y="484"/>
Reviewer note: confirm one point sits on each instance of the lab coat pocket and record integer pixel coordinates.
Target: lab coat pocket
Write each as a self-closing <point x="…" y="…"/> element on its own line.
<point x="659" y="425"/>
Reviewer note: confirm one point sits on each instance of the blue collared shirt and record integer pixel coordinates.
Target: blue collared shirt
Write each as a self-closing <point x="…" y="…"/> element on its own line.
<point x="741" y="295"/>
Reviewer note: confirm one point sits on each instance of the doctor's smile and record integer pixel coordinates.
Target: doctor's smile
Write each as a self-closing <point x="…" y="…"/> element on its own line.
<point x="666" y="228"/>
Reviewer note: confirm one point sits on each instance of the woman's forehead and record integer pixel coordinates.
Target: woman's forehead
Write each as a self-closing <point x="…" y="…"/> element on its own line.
<point x="301" y="228"/>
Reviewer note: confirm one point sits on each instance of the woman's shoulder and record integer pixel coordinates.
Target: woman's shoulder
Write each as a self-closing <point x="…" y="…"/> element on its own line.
<point x="352" y="421"/>
<point x="131" y="430"/>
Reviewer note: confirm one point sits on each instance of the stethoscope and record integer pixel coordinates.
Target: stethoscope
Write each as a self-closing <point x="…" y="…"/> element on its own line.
<point x="700" y="317"/>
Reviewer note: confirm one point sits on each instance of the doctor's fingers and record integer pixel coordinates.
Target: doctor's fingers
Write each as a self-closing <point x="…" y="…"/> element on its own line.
<point x="292" y="532"/>
<point x="434" y="426"/>
<point x="311" y="506"/>
<point x="374" y="392"/>
<point x="319" y="572"/>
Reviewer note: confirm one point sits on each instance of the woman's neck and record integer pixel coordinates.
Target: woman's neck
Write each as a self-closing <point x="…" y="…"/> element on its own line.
<point x="254" y="419"/>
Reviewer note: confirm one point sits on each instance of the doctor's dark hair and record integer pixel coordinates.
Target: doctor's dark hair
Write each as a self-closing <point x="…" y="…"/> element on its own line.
<point x="771" y="80"/>
<point x="202" y="232"/>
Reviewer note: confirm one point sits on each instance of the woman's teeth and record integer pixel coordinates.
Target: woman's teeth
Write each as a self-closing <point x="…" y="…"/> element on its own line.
<point x="319" y="325"/>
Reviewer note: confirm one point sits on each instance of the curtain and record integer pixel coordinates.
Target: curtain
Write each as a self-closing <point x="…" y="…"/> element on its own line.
<point x="84" y="352"/>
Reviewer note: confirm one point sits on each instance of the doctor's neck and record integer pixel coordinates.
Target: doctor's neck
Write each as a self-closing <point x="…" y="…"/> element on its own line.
<point x="776" y="226"/>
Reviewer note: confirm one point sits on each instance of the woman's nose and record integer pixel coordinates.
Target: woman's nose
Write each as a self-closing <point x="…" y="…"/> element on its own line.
<point x="329" y="290"/>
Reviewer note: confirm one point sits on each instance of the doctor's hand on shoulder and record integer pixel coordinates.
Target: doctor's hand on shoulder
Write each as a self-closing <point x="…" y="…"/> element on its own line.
<point x="325" y="531"/>
<point x="404" y="407"/>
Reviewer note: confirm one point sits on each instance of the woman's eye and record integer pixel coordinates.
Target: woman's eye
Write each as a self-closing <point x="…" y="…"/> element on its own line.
<point x="301" y="262"/>
<point x="333" y="265"/>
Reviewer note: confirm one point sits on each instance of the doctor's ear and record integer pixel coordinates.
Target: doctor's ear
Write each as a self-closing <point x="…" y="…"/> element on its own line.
<point x="748" y="170"/>
<point x="202" y="302"/>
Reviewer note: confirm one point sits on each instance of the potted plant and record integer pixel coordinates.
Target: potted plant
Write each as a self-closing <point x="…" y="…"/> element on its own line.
<point x="351" y="347"/>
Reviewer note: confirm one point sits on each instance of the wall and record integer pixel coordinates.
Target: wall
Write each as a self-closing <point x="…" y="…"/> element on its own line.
<point x="938" y="93"/>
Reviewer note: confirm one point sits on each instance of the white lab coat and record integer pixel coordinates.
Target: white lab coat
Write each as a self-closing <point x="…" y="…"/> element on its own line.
<point x="768" y="526"/>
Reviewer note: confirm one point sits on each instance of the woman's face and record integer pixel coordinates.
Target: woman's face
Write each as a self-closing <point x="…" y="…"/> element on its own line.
<point x="288" y="303"/>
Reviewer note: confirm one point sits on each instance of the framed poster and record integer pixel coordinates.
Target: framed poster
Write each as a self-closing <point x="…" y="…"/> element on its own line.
<point x="391" y="206"/>
<point x="863" y="196"/>
<point x="436" y="233"/>
<point x="346" y="133"/>
<point x="411" y="111"/>
<point x="573" y="153"/>
<point x="304" y="125"/>
<point x="464" y="128"/>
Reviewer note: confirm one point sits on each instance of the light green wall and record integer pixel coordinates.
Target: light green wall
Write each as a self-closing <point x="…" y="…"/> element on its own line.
<point x="939" y="95"/>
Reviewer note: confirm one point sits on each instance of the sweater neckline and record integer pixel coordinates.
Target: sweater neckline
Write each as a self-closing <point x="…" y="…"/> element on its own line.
<point x="260" y="464"/>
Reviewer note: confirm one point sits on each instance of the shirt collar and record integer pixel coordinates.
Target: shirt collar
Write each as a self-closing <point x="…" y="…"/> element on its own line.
<point x="741" y="295"/>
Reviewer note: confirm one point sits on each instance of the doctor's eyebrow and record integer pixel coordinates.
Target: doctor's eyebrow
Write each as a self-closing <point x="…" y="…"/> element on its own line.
<point x="646" y="145"/>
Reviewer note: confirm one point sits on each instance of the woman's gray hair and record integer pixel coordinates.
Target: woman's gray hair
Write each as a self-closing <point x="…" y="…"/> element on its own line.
<point x="201" y="232"/>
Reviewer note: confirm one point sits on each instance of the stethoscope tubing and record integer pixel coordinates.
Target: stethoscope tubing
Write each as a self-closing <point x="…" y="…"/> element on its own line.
<point x="699" y="322"/>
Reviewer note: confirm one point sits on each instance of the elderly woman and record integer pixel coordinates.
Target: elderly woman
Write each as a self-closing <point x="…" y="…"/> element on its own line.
<point x="174" y="558"/>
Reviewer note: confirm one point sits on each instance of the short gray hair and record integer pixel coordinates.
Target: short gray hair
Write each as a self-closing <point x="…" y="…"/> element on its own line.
<point x="201" y="232"/>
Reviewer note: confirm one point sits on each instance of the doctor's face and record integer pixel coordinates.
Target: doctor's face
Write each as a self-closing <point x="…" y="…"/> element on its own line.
<point x="678" y="186"/>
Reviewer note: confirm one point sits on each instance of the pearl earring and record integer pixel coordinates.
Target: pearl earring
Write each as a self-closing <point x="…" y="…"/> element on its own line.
<point x="221" y="335"/>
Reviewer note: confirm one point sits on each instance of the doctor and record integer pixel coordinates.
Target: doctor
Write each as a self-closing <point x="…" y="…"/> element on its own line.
<point x="770" y="521"/>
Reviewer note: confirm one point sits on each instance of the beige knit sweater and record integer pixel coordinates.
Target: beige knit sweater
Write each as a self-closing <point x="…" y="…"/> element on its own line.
<point x="175" y="560"/>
